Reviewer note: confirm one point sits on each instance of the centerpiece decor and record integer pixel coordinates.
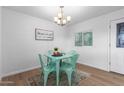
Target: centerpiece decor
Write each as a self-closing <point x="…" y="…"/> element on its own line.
<point x="56" y="52"/>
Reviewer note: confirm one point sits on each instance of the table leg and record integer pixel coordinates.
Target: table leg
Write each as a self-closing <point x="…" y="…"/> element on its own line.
<point x="57" y="71"/>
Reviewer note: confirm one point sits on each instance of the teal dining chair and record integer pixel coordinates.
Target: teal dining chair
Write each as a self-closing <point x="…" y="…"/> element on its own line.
<point x="69" y="68"/>
<point x="67" y="61"/>
<point x="50" y="52"/>
<point x="72" y="52"/>
<point x="46" y="68"/>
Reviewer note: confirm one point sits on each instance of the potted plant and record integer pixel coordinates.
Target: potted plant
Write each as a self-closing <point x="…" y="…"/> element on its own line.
<point x="56" y="52"/>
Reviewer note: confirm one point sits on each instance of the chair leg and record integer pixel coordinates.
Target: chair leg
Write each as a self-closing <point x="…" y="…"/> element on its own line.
<point x="69" y="74"/>
<point x="75" y="71"/>
<point x="45" y="78"/>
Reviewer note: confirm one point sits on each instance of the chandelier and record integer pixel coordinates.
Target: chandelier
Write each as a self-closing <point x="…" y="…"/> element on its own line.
<point x="60" y="19"/>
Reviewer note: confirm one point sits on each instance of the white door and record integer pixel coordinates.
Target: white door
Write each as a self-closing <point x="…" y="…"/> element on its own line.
<point x="117" y="46"/>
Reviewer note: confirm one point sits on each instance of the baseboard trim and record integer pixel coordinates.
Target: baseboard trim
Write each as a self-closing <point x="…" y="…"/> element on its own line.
<point x="92" y="66"/>
<point x="20" y="71"/>
<point x="35" y="67"/>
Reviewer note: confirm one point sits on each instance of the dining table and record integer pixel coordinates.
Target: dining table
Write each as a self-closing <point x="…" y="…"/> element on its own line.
<point x="57" y="60"/>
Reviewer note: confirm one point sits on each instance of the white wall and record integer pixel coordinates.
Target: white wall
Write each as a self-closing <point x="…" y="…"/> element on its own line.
<point x="0" y="46"/>
<point x="98" y="54"/>
<point x="20" y="48"/>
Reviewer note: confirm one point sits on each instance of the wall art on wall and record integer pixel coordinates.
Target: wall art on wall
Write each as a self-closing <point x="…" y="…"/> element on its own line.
<point x="120" y="35"/>
<point x="87" y="39"/>
<point x="78" y="39"/>
<point x="42" y="34"/>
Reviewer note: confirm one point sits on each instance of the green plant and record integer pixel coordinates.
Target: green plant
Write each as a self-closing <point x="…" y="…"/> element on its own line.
<point x="55" y="49"/>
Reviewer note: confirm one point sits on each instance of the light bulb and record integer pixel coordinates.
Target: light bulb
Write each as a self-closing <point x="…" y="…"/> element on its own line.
<point x="55" y="19"/>
<point x="58" y="22"/>
<point x="59" y="15"/>
<point x="64" y="21"/>
<point x="68" y="18"/>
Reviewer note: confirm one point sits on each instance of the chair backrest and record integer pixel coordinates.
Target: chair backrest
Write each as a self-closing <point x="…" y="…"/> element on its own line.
<point x="43" y="61"/>
<point x="72" y="52"/>
<point x="50" y="52"/>
<point x="74" y="59"/>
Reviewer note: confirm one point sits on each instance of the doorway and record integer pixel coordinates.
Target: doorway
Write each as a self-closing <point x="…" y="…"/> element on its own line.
<point x="117" y="46"/>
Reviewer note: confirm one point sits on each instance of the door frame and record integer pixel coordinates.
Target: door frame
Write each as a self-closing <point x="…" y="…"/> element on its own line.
<point x="109" y="42"/>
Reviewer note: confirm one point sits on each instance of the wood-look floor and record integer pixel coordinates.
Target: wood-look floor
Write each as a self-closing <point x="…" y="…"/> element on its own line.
<point x="97" y="77"/>
<point x="100" y="77"/>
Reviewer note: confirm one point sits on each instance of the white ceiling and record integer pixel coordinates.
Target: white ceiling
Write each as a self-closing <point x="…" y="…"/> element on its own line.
<point x="78" y="13"/>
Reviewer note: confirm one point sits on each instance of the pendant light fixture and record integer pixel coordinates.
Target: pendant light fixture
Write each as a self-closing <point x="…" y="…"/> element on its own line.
<point x="61" y="19"/>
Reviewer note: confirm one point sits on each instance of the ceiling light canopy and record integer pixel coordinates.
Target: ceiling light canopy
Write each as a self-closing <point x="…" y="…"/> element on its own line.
<point x="60" y="19"/>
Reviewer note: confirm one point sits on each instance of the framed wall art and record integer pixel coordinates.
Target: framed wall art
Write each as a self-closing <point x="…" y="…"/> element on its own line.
<point x="87" y="39"/>
<point x="42" y="34"/>
<point x="78" y="39"/>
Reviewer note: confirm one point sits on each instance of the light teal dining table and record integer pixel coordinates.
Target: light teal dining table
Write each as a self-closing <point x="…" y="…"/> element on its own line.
<point x="57" y="60"/>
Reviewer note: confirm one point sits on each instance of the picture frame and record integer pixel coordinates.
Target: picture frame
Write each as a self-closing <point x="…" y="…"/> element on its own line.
<point x="78" y="39"/>
<point x="84" y="38"/>
<point x="42" y="34"/>
<point x="88" y="39"/>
